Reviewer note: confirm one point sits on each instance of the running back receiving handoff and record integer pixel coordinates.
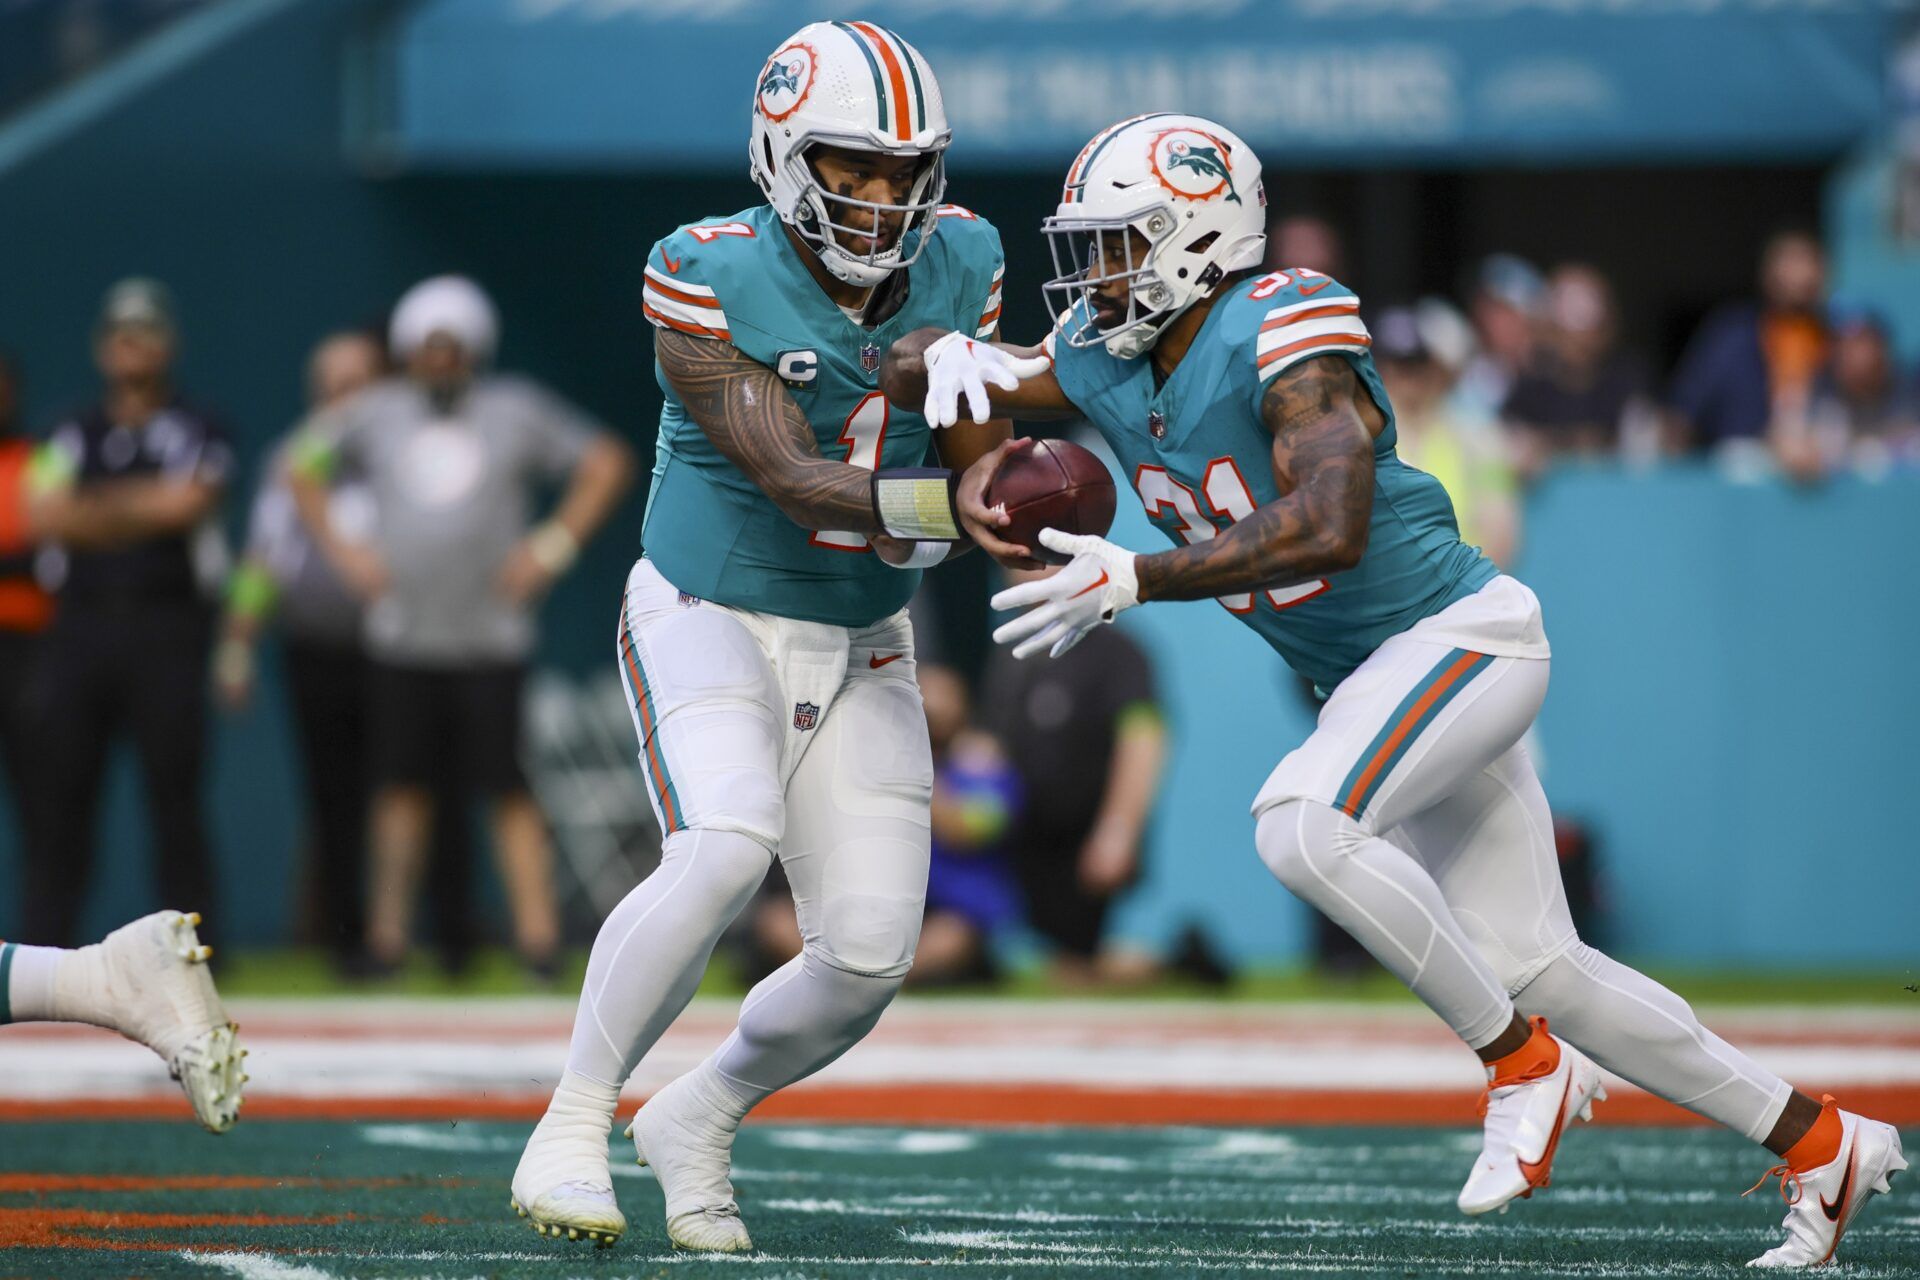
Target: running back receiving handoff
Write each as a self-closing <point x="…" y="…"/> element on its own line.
<point x="1246" y="410"/>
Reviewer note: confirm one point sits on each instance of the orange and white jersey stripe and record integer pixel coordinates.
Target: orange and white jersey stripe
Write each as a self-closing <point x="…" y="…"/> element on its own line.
<point x="1314" y="327"/>
<point x="683" y="305"/>
<point x="990" y="314"/>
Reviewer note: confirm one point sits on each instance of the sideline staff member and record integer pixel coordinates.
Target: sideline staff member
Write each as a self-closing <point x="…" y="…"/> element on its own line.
<point x="25" y="609"/>
<point x="138" y="477"/>
<point x="453" y="454"/>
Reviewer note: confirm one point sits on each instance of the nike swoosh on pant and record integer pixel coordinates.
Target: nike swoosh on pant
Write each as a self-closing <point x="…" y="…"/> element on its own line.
<point x="875" y="661"/>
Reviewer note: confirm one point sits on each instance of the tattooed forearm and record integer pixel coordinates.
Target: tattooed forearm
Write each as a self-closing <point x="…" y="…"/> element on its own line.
<point x="750" y="418"/>
<point x="1323" y="459"/>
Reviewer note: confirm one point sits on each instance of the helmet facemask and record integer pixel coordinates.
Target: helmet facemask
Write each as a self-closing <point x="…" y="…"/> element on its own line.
<point x="822" y="213"/>
<point x="1081" y="247"/>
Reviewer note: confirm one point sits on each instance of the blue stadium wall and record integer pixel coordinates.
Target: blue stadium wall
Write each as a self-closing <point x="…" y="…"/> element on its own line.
<point x="1733" y="688"/>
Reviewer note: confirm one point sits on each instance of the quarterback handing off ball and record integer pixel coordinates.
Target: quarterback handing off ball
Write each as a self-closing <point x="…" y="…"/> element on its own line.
<point x="1052" y="484"/>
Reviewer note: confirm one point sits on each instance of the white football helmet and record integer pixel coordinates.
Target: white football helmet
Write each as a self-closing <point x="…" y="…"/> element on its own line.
<point x="858" y="86"/>
<point x="1190" y="187"/>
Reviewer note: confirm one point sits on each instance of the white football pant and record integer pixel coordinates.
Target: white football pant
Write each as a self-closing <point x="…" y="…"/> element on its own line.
<point x="1413" y="818"/>
<point x="764" y="737"/>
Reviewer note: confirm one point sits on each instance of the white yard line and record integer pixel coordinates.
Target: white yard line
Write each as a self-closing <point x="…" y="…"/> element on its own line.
<point x="256" y="1266"/>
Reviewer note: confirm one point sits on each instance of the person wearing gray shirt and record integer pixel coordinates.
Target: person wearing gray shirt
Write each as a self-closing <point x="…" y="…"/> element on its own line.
<point x="452" y="456"/>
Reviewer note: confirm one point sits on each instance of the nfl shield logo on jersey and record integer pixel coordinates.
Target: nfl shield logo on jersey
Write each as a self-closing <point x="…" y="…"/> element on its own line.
<point x="1156" y="424"/>
<point x="806" y="715"/>
<point x="870" y="358"/>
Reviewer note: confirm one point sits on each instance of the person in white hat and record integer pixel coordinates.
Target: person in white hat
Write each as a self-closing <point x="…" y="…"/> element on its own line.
<point x="451" y="453"/>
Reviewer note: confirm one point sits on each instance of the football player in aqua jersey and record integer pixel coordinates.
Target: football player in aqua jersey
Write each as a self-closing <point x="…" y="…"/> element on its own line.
<point x="1246" y="410"/>
<point x="762" y="636"/>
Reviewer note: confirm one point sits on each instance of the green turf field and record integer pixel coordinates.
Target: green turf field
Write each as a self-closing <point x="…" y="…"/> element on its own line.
<point x="287" y="1201"/>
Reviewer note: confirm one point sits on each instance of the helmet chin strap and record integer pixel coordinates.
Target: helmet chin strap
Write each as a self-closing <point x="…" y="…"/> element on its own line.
<point x="1140" y="339"/>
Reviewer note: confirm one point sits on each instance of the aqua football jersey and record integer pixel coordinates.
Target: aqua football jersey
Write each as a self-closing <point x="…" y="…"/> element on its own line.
<point x="1200" y="458"/>
<point x="709" y="529"/>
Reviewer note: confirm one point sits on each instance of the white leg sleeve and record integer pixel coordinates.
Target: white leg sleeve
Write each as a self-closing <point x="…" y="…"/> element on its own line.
<point x="1389" y="903"/>
<point x="1489" y="846"/>
<point x="703" y="696"/>
<point x="855" y="853"/>
<point x="27" y="983"/>
<point x="797" y="1020"/>
<point x="1414" y="724"/>
<point x="648" y="957"/>
<point x="1637" y="1029"/>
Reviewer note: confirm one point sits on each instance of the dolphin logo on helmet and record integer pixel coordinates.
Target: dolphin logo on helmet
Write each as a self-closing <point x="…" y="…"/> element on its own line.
<point x="1192" y="165"/>
<point x="881" y="97"/>
<point x="782" y="78"/>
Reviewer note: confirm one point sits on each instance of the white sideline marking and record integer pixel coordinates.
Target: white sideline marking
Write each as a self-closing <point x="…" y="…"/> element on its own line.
<point x="875" y="1142"/>
<point x="256" y="1266"/>
<point x="1090" y="1163"/>
<point x="426" y="1137"/>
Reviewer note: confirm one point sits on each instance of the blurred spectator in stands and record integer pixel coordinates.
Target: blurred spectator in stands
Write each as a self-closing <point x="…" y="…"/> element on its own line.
<point x="1861" y="413"/>
<point x="1579" y="394"/>
<point x="452" y="453"/>
<point x="132" y="486"/>
<point x="1469" y="459"/>
<point x="1748" y="363"/>
<point x="25" y="607"/>
<point x="971" y="893"/>
<point x="1506" y="300"/>
<point x="1087" y="740"/>
<point x="1305" y="240"/>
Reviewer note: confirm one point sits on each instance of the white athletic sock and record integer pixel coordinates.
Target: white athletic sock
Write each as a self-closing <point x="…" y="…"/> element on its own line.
<point x="648" y="957"/>
<point x="1390" y="904"/>
<point x="1637" y="1029"/>
<point x="27" y="980"/>
<point x="796" y="1021"/>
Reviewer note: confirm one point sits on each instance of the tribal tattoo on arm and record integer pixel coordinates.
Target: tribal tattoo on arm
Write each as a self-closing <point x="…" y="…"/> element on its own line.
<point x="1323" y="460"/>
<point x="745" y="411"/>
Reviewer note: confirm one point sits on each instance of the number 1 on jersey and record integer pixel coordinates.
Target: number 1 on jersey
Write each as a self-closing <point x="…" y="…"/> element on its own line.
<point x="865" y="431"/>
<point x="1228" y="498"/>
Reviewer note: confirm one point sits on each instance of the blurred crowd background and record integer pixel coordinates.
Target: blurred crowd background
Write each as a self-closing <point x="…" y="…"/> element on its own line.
<point x="314" y="304"/>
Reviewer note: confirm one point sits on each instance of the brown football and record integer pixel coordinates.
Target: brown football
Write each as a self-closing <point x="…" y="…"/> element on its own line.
<point x="1052" y="484"/>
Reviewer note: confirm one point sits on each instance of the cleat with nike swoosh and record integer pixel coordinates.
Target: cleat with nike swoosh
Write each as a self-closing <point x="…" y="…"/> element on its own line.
<point x="1822" y="1202"/>
<point x="1525" y="1120"/>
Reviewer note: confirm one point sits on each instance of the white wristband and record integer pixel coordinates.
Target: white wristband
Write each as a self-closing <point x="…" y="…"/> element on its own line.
<point x="554" y="547"/>
<point x="923" y="556"/>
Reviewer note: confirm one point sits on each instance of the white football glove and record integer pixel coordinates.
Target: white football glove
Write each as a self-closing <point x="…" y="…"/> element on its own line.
<point x="957" y="364"/>
<point x="1094" y="586"/>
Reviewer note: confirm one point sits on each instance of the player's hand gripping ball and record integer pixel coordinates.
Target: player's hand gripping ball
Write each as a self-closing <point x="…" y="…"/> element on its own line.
<point x="1052" y="484"/>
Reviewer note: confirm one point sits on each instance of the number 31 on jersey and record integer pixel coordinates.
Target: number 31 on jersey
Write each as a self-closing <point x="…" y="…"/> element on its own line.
<point x="1225" y="492"/>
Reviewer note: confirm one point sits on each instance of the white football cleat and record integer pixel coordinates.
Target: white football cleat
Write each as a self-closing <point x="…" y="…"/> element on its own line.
<point x="562" y="1183"/>
<point x="1524" y="1124"/>
<point x="1822" y="1202"/>
<point x="687" y="1140"/>
<point x="153" y="980"/>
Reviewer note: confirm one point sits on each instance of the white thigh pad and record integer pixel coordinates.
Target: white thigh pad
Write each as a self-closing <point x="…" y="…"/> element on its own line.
<point x="857" y="838"/>
<point x="704" y="707"/>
